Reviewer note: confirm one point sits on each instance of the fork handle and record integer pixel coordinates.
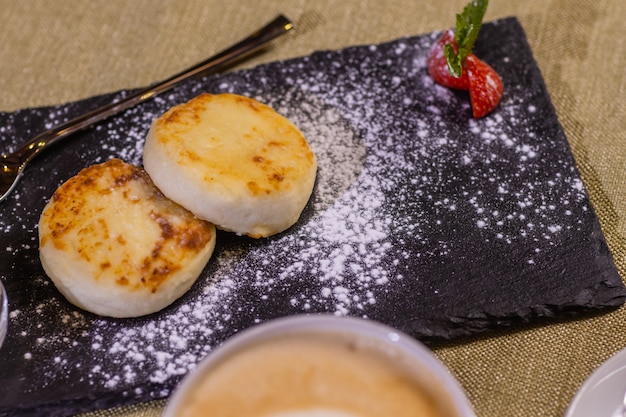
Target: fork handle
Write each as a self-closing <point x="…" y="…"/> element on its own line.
<point x="275" y="28"/>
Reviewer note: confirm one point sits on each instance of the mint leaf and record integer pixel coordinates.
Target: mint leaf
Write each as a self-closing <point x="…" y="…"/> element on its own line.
<point x="468" y="25"/>
<point x="455" y="63"/>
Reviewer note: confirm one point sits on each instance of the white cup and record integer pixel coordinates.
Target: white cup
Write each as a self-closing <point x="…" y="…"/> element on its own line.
<point x="4" y="313"/>
<point x="372" y="343"/>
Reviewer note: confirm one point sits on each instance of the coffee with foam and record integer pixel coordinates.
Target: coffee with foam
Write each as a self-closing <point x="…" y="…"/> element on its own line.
<point x="314" y="374"/>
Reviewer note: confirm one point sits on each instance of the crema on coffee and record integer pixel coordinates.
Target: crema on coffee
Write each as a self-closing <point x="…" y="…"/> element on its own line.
<point x="311" y="375"/>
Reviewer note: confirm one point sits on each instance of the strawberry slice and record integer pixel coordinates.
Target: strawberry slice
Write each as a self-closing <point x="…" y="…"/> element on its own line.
<point x="438" y="66"/>
<point x="485" y="86"/>
<point x="452" y="54"/>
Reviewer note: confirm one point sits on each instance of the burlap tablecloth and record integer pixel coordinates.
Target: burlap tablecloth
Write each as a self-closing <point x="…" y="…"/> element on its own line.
<point x="54" y="52"/>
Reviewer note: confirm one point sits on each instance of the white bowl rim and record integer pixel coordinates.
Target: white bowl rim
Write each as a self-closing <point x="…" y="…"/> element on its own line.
<point x="327" y="322"/>
<point x="4" y="313"/>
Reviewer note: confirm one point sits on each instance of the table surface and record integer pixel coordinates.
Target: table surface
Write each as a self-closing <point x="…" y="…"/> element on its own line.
<point x="56" y="52"/>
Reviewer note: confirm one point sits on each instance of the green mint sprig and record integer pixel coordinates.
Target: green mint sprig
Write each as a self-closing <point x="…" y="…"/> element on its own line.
<point x="467" y="27"/>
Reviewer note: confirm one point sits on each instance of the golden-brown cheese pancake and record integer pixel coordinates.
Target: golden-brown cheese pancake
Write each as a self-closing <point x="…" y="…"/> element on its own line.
<point x="115" y="246"/>
<point x="232" y="161"/>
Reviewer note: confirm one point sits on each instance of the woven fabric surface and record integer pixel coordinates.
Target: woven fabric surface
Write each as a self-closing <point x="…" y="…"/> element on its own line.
<point x="56" y="52"/>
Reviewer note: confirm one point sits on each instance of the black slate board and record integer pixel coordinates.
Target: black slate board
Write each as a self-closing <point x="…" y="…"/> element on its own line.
<point x="421" y="218"/>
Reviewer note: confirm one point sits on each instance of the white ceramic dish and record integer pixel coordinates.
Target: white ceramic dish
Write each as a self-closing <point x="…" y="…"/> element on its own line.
<point x="603" y="392"/>
<point x="4" y="313"/>
<point x="364" y="330"/>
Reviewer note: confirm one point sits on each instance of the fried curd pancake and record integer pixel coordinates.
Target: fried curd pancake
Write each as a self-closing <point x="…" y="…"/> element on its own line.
<point x="232" y="161"/>
<point x="115" y="246"/>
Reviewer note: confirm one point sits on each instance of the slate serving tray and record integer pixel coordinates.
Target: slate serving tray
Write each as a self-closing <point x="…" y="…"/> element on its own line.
<point x="421" y="218"/>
